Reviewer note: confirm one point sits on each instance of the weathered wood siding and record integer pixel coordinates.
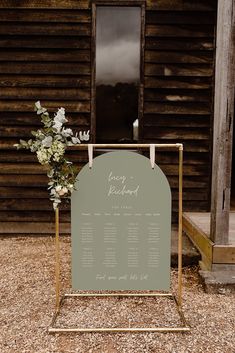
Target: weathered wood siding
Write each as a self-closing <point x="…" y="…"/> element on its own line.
<point x="45" y="54"/>
<point x="178" y="96"/>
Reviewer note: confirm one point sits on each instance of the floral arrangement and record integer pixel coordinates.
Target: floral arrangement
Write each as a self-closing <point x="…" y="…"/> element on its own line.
<point x="49" y="144"/>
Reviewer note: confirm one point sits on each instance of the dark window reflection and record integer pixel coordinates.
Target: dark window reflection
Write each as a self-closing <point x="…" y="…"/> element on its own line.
<point x="117" y="72"/>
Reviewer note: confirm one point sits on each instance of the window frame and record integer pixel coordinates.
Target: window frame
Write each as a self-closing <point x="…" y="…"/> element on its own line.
<point x="116" y="3"/>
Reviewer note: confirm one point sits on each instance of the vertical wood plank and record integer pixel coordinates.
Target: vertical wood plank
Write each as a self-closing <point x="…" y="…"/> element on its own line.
<point x="93" y="74"/>
<point x="142" y="66"/>
<point x="223" y="122"/>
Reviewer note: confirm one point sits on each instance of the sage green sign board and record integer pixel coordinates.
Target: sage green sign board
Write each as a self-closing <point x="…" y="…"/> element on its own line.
<point x="121" y="225"/>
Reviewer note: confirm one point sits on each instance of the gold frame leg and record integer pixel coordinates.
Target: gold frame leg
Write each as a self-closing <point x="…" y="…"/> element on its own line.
<point x="57" y="256"/>
<point x="180" y="212"/>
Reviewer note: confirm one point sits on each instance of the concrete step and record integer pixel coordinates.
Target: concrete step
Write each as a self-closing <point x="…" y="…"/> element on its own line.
<point x="219" y="282"/>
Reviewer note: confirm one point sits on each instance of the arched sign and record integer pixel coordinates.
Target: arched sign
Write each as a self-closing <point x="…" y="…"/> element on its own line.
<point x="121" y="225"/>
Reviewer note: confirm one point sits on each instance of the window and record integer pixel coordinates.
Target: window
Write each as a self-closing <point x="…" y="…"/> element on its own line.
<point x="117" y="73"/>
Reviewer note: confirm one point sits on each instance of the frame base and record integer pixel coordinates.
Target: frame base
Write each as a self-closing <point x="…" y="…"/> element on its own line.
<point x="184" y="328"/>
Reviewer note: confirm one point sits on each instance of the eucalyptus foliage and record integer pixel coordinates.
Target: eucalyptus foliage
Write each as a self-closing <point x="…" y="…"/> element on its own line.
<point x="50" y="143"/>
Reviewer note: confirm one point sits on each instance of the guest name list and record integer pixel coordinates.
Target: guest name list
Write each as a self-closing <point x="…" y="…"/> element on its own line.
<point x="121" y="225"/>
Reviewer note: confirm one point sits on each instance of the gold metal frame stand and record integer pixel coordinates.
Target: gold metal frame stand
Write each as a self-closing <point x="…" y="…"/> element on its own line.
<point x="177" y="298"/>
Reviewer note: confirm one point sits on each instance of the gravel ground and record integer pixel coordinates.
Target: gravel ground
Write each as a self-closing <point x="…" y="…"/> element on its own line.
<point x="27" y="304"/>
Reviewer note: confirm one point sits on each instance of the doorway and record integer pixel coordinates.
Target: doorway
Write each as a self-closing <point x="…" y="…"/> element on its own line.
<point x="117" y="93"/>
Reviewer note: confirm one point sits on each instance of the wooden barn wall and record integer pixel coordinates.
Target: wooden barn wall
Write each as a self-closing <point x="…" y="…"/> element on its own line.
<point x="45" y="55"/>
<point x="178" y="95"/>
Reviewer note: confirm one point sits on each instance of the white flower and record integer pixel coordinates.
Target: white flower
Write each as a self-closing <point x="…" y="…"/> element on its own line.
<point x="66" y="132"/>
<point x="56" y="202"/>
<point x="38" y="105"/>
<point x="84" y="136"/>
<point x="47" y="141"/>
<point x="57" y="150"/>
<point x="59" y="119"/>
<point x="61" y="191"/>
<point x="64" y="190"/>
<point x="75" y="140"/>
<point x="60" y="116"/>
<point x="57" y="125"/>
<point x="53" y="192"/>
<point x="39" y="108"/>
<point x="44" y="155"/>
<point x="58" y="188"/>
